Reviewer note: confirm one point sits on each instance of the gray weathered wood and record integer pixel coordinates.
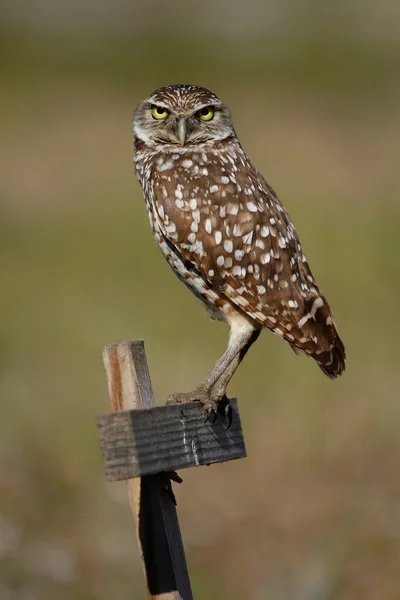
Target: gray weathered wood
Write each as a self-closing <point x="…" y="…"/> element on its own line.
<point x="167" y="438"/>
<point x="150" y="497"/>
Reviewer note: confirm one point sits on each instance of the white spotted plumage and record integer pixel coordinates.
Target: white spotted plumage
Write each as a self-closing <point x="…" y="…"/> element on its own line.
<point x="223" y="230"/>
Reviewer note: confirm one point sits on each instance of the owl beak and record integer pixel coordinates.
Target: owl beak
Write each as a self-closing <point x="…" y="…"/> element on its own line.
<point x="182" y="130"/>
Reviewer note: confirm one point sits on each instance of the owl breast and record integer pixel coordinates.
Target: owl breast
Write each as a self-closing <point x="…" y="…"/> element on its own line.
<point x="171" y="194"/>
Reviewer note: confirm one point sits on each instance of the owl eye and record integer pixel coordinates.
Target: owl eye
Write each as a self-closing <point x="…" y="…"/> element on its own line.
<point x="158" y="112"/>
<point x="206" y="113"/>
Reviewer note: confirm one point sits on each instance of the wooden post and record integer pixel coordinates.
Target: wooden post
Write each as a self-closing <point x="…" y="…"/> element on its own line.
<point x="145" y="444"/>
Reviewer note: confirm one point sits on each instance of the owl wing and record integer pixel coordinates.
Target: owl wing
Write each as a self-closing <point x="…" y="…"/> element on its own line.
<point x="235" y="234"/>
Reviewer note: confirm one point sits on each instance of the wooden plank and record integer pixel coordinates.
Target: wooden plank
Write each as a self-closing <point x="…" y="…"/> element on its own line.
<point x="167" y="438"/>
<point x="151" y="497"/>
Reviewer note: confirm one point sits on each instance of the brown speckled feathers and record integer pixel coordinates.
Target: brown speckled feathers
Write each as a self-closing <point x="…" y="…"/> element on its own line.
<point x="226" y="235"/>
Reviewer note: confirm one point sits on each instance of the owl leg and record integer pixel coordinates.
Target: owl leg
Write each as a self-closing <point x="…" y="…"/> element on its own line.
<point x="243" y="333"/>
<point x="219" y="388"/>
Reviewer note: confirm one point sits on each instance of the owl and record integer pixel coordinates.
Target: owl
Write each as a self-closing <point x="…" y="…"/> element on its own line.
<point x="225" y="234"/>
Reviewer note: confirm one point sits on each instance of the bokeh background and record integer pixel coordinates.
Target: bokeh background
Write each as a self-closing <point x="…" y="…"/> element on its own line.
<point x="313" y="513"/>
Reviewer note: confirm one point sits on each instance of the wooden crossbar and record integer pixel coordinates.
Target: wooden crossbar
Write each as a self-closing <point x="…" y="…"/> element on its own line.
<point x="166" y="438"/>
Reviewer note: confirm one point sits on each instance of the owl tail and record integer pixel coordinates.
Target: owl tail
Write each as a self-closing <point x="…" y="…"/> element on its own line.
<point x="317" y="336"/>
<point x="334" y="363"/>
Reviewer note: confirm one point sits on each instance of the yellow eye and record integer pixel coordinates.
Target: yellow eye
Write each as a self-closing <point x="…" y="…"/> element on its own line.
<point x="206" y="113"/>
<point x="158" y="112"/>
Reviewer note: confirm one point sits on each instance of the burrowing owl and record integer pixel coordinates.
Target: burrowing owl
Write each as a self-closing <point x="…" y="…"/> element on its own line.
<point x="225" y="234"/>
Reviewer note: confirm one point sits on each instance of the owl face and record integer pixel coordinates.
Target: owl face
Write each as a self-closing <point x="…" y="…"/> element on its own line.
<point x="182" y="115"/>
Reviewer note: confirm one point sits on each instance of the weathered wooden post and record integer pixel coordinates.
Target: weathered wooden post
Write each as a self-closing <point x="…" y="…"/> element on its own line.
<point x="145" y="444"/>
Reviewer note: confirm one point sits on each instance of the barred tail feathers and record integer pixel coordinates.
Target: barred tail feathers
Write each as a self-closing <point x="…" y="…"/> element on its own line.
<point x="317" y="336"/>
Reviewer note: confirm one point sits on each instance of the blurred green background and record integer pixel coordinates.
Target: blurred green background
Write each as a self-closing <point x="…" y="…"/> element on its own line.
<point x="313" y="513"/>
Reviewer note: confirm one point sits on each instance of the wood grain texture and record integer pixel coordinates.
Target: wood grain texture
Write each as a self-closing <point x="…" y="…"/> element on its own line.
<point x="166" y="438"/>
<point x="150" y="497"/>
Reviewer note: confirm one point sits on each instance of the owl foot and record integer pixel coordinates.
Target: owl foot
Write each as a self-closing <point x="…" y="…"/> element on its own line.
<point x="215" y="405"/>
<point x="222" y="412"/>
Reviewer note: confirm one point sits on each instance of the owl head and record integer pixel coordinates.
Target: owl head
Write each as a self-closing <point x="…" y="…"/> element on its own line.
<point x="182" y="115"/>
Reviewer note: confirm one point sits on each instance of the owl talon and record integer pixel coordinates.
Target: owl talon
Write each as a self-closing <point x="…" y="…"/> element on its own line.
<point x="220" y="412"/>
<point x="227" y="412"/>
<point x="211" y="417"/>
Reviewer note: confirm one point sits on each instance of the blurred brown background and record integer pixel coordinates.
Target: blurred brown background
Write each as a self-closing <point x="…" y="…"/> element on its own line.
<point x="313" y="513"/>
